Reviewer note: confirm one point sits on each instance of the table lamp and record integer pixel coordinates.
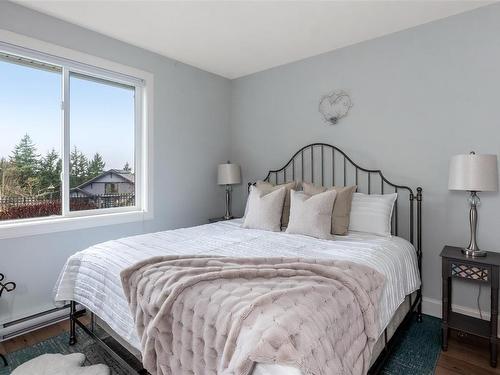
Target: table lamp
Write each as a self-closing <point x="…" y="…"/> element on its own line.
<point x="473" y="173"/>
<point x="228" y="174"/>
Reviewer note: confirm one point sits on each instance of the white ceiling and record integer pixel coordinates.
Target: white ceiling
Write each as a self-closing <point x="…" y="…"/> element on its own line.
<point x="236" y="38"/>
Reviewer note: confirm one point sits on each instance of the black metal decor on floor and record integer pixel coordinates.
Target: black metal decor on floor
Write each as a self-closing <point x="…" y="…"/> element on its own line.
<point x="5" y="287"/>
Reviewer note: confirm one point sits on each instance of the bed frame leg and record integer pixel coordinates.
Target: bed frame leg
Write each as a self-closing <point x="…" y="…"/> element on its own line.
<point x="419" y="311"/>
<point x="72" y="323"/>
<point x="92" y="322"/>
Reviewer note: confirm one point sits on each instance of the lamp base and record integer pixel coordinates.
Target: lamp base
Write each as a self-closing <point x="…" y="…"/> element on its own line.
<point x="227" y="215"/>
<point x="473" y="253"/>
<point x="473" y="250"/>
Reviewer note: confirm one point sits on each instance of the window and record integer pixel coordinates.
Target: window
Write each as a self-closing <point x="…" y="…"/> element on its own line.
<point x="102" y="142"/>
<point x="72" y="139"/>
<point x="111" y="188"/>
<point x="30" y="147"/>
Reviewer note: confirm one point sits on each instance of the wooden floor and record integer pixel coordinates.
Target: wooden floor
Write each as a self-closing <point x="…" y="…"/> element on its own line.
<point x="32" y="338"/>
<point x="464" y="356"/>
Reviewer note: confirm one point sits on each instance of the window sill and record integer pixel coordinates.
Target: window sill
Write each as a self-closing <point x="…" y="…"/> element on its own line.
<point x="24" y="228"/>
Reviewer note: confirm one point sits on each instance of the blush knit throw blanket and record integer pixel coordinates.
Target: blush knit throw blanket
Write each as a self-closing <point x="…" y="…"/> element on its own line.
<point x="217" y="315"/>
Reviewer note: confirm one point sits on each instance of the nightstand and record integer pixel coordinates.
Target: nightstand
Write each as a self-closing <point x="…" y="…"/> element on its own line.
<point x="216" y="219"/>
<point x="483" y="270"/>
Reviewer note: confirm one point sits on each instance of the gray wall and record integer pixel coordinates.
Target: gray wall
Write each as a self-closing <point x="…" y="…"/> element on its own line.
<point x="419" y="96"/>
<point x="191" y="115"/>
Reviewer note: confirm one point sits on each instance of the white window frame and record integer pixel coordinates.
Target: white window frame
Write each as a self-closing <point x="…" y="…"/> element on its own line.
<point x="78" y="62"/>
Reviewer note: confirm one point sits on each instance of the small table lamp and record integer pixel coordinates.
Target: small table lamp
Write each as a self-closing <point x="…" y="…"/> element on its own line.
<point x="228" y="174"/>
<point x="473" y="173"/>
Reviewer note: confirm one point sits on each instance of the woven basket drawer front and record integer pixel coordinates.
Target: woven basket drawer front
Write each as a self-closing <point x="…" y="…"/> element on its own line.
<point x="467" y="271"/>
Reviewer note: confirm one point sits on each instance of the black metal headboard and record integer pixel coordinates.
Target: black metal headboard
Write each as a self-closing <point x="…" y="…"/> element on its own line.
<point x="327" y="165"/>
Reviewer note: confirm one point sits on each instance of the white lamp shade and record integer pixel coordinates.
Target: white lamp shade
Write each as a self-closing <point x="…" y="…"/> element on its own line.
<point x="228" y="174"/>
<point x="473" y="172"/>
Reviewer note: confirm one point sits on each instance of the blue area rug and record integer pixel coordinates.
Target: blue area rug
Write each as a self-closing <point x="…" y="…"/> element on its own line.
<point x="417" y="349"/>
<point x="416" y="353"/>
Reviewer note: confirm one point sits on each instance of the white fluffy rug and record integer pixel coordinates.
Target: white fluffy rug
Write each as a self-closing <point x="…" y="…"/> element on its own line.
<point x="58" y="364"/>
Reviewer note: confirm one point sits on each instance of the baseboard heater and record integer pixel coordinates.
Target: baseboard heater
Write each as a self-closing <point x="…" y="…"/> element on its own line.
<point x="33" y="322"/>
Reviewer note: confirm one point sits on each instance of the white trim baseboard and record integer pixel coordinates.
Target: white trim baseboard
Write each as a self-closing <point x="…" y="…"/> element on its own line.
<point x="29" y="324"/>
<point x="431" y="306"/>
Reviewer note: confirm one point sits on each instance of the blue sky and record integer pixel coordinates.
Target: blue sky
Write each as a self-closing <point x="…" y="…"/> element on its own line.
<point x="102" y="116"/>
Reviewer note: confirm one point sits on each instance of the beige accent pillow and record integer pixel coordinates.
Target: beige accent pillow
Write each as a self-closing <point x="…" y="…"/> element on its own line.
<point x="264" y="209"/>
<point x="268" y="187"/>
<point x="311" y="215"/>
<point x="341" y="208"/>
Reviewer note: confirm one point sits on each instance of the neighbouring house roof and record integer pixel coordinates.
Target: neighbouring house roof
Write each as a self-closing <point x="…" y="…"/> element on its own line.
<point x="80" y="191"/>
<point x="125" y="175"/>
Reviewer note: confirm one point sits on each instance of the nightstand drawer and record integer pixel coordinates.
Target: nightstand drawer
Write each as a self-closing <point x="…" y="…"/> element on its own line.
<point x="469" y="271"/>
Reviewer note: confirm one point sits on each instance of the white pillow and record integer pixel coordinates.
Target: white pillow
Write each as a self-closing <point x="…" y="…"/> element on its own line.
<point x="372" y="213"/>
<point x="264" y="209"/>
<point x="311" y="215"/>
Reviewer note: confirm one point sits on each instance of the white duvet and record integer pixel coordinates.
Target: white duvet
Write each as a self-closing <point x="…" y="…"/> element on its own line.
<point x="92" y="277"/>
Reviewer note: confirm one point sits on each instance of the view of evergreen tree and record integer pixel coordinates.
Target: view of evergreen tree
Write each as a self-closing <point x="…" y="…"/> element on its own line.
<point x="50" y="171"/>
<point x="25" y="173"/>
<point x="78" y="168"/>
<point x="26" y="163"/>
<point x="96" y="166"/>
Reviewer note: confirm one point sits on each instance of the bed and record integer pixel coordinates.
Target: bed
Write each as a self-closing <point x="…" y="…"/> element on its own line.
<point x="91" y="278"/>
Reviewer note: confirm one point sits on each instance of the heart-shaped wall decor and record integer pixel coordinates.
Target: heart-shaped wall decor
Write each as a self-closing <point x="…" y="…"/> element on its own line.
<point x="334" y="106"/>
